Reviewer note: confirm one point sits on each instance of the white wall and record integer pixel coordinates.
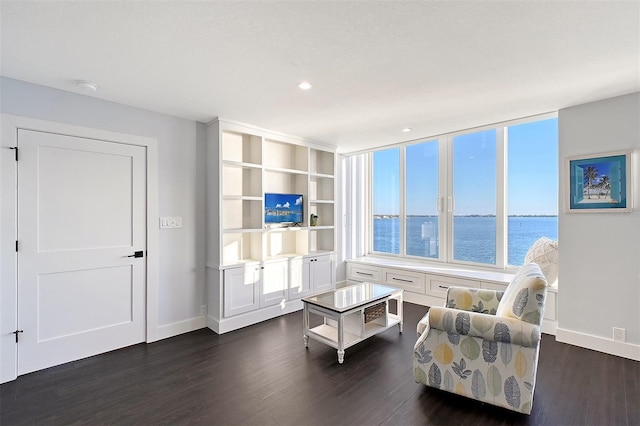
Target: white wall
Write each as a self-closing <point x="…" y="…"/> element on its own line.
<point x="181" y="182"/>
<point x="599" y="275"/>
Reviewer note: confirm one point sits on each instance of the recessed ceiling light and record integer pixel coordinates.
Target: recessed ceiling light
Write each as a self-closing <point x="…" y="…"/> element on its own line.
<point x="406" y="130"/>
<point x="87" y="86"/>
<point x="305" y="85"/>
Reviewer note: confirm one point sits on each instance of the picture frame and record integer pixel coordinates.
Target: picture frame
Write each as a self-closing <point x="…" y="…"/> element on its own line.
<point x="600" y="183"/>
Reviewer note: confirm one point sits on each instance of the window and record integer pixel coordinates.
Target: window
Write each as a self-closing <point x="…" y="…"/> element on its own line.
<point x="386" y="201"/>
<point x="421" y="200"/>
<point x="533" y="186"/>
<point x="482" y="197"/>
<point x="474" y="195"/>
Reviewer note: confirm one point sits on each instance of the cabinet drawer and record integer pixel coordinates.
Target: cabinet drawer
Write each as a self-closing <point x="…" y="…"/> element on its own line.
<point x="363" y="273"/>
<point x="411" y="281"/>
<point x="438" y="285"/>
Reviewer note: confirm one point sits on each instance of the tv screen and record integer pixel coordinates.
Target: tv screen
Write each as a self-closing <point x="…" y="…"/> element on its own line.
<point x="282" y="208"/>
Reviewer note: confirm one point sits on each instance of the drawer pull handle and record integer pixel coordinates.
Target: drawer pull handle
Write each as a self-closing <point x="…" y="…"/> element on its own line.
<point x="400" y="279"/>
<point x="364" y="273"/>
<point x="443" y="286"/>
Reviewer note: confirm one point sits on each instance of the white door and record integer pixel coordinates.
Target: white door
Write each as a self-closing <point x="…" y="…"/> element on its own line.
<point x="81" y="214"/>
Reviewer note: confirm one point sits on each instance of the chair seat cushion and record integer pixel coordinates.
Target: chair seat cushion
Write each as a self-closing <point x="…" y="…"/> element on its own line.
<point x="524" y="297"/>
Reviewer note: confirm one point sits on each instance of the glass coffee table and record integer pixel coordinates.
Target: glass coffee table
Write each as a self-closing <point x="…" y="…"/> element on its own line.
<point x="352" y="314"/>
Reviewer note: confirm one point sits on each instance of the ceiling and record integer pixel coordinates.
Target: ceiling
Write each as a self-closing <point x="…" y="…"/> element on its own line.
<point x="376" y="67"/>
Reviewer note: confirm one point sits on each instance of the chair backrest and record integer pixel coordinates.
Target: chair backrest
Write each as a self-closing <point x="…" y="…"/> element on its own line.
<point x="525" y="296"/>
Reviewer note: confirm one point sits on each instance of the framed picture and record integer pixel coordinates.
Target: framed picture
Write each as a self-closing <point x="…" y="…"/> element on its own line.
<point x="600" y="183"/>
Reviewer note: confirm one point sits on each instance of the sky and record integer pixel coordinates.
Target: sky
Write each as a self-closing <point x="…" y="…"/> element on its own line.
<point x="532" y="173"/>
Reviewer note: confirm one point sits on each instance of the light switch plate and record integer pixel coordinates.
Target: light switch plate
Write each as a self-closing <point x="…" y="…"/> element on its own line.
<point x="170" y="222"/>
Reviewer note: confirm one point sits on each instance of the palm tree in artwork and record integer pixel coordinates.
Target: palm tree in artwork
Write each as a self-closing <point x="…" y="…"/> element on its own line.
<point x="605" y="184"/>
<point x="590" y="176"/>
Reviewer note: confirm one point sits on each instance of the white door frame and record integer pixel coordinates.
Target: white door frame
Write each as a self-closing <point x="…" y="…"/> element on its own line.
<point x="8" y="226"/>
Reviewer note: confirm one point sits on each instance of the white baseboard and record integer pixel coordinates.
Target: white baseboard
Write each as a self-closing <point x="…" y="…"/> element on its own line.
<point x="225" y="325"/>
<point x="181" y="327"/>
<point x="600" y="344"/>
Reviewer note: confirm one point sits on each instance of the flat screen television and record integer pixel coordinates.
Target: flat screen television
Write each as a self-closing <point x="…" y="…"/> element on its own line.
<point x="282" y="208"/>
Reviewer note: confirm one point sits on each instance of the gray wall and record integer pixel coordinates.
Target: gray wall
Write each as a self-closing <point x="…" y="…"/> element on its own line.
<point x="181" y="180"/>
<point x="599" y="270"/>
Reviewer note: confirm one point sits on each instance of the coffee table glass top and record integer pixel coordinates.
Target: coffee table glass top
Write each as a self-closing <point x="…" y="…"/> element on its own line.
<point x="345" y="298"/>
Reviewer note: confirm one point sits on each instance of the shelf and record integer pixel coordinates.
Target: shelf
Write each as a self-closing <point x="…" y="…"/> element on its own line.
<point x="241" y="148"/>
<point x="242" y="197"/>
<point x="281" y="170"/>
<point x="321" y="188"/>
<point x="229" y="163"/>
<point x="321" y="175"/>
<point x="286" y="229"/>
<point x="242" y="214"/>
<point x="241" y="181"/>
<point x="241" y="247"/>
<point x="286" y="183"/>
<point x="322" y="162"/>
<point x="321" y="202"/>
<point x="331" y="334"/>
<point x="286" y="156"/>
<point x="241" y="230"/>
<point x="320" y="228"/>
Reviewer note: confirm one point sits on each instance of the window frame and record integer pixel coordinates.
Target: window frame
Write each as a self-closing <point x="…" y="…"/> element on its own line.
<point x="445" y="199"/>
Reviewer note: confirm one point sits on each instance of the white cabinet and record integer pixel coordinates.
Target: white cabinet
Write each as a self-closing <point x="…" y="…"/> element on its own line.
<point x="361" y="273"/>
<point x="299" y="279"/>
<point x="406" y="280"/>
<point x="241" y="289"/>
<point x="312" y="274"/>
<point x="321" y="273"/>
<point x="438" y="285"/>
<point x="274" y="283"/>
<point x="244" y="163"/>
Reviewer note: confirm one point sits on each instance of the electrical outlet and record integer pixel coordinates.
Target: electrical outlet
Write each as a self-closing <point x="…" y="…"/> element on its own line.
<point x="203" y="309"/>
<point x="619" y="334"/>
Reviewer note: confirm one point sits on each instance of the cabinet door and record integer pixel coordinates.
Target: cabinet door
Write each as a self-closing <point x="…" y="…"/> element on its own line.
<point x="275" y="283"/>
<point x="241" y="290"/>
<point x="322" y="274"/>
<point x="299" y="278"/>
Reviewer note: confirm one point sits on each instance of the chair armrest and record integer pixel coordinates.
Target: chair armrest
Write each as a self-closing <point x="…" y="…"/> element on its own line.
<point x="484" y="326"/>
<point x="474" y="299"/>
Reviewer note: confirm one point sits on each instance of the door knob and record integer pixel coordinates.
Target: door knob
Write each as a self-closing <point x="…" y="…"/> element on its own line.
<point x="136" y="254"/>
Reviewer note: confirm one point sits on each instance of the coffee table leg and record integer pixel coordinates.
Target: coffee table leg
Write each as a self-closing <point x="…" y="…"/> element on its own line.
<point x="306" y="340"/>
<point x="340" y="357"/>
<point x="341" y="339"/>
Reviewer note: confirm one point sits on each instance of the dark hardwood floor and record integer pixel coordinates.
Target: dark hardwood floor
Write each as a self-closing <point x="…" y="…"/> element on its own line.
<point x="263" y="375"/>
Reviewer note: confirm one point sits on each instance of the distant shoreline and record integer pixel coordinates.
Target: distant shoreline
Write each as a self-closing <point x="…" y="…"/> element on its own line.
<point x="395" y="216"/>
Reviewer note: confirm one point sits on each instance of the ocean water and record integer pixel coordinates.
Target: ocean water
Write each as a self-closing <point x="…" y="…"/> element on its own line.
<point x="474" y="238"/>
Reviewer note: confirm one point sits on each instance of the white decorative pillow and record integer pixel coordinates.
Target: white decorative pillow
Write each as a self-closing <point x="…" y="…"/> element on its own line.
<point x="544" y="252"/>
<point x="524" y="297"/>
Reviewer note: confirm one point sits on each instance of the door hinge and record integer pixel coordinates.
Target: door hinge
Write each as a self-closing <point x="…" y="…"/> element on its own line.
<point x="16" y="246"/>
<point x="16" y="149"/>
<point x="17" y="333"/>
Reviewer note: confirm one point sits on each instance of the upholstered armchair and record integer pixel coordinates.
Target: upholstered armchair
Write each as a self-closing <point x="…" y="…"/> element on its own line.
<point x="484" y="343"/>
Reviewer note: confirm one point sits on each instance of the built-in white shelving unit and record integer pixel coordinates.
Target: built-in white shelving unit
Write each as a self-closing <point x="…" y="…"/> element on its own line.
<point x="245" y="162"/>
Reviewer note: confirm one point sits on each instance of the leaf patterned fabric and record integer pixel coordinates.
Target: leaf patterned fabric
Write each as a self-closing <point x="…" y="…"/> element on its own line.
<point x="468" y="349"/>
<point x="524" y="297"/>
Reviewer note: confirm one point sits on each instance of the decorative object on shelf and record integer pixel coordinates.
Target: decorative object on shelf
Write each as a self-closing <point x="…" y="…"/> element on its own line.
<point x="313" y="219"/>
<point x="599" y="183"/>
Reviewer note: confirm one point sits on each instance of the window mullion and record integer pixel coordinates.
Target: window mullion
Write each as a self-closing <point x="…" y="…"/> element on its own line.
<point x="403" y="207"/>
<point x="501" y="197"/>
<point x="447" y="198"/>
